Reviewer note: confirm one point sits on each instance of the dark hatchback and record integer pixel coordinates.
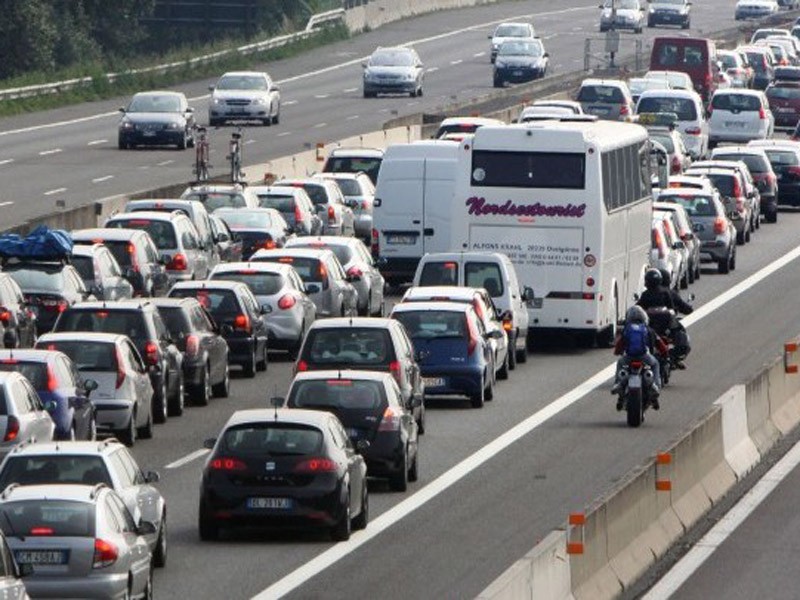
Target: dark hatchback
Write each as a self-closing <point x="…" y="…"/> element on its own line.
<point x="157" y="119"/>
<point x="371" y="408"/>
<point x="784" y="102"/>
<point x="286" y="469"/>
<point x="520" y="61"/>
<point x="205" y="352"/>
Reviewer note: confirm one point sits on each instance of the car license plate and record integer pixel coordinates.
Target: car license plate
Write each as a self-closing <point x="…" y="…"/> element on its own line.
<point x="401" y="240"/>
<point x="433" y="381"/>
<point x="41" y="557"/>
<point x="734" y="124"/>
<point x="149" y="133"/>
<point x="635" y="382"/>
<point x="785" y="110"/>
<point x="516" y="73"/>
<point x="269" y="503"/>
<point x="599" y="110"/>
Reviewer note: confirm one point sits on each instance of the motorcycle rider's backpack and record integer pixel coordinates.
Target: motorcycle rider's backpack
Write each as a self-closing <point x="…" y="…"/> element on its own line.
<point x="636" y="337"/>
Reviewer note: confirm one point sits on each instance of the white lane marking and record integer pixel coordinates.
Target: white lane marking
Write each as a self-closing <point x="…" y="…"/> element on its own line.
<point x="284" y="134"/>
<point x="402" y="509"/>
<point x="320" y="125"/>
<point x="351" y="118"/>
<point x="55" y="191"/>
<point x="6" y="203"/>
<point x="708" y="544"/>
<point x="350" y="90"/>
<point x="335" y="67"/>
<point x="102" y="179"/>
<point x="49" y="152"/>
<point x="6" y="161"/>
<point x="412" y="103"/>
<point x="456" y="62"/>
<point x="164" y="163"/>
<point x="248" y="142"/>
<point x="187" y="459"/>
<point x="96" y="142"/>
<point x="550" y="37"/>
<point x="432" y="70"/>
<point x="322" y="96"/>
<point x="289" y="103"/>
<point x="479" y="54"/>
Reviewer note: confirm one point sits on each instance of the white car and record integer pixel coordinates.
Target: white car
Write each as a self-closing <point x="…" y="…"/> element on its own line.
<point x="630" y="14"/>
<point x="688" y="105"/>
<point x="638" y="85"/>
<point x="543" y="113"/>
<point x="244" y="96"/>
<point x="359" y="195"/>
<point x="214" y="196"/>
<point x="665" y="251"/>
<point x="739" y="115"/>
<point x="510" y="31"/>
<point x="675" y="79"/>
<point x="463" y="125"/>
<point x="755" y="9"/>
<point x="329" y="203"/>
<point x="572" y="105"/>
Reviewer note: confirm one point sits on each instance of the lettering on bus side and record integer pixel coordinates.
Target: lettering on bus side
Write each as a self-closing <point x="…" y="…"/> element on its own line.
<point x="480" y="207"/>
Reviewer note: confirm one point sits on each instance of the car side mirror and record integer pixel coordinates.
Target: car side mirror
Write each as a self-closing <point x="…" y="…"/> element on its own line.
<point x="363" y="65"/>
<point x="90" y="385"/>
<point x="128" y="273"/>
<point x="222" y="237"/>
<point x="226" y="329"/>
<point x="289" y="230"/>
<point x="164" y="260"/>
<point x="277" y="401"/>
<point x="546" y="55"/>
<point x="209" y="443"/>
<point x="276" y="88"/>
<point x="421" y="355"/>
<point x="211" y="88"/>
<point x="51" y="406"/>
<point x="189" y="109"/>
<point x="154" y="368"/>
<point x="24" y="570"/>
<point x="312" y="288"/>
<point x="382" y="261"/>
<point x="496" y="334"/>
<point x="527" y="294"/>
<point x="353" y="278"/>
<point x="489" y="36"/>
<point x="146" y="528"/>
<point x="152" y="477"/>
<point x="691" y="297"/>
<point x="266" y="309"/>
<point x="678" y="245"/>
<point x="121" y="109"/>
<point x="362" y="446"/>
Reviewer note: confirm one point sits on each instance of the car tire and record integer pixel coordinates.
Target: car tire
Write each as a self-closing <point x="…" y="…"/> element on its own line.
<point x="178" y="401"/>
<point x="128" y="435"/>
<point x="160" y="553"/>
<point x="122" y="145"/>
<point x="502" y="374"/>
<point x="182" y="144"/>
<point x="772" y="216"/>
<point x="223" y="388"/>
<point x="477" y="398"/>
<point x="724" y="266"/>
<point x="276" y="119"/>
<point x="421" y="422"/>
<point x="341" y="531"/>
<point x="262" y="364"/>
<point x="733" y="261"/>
<point x="747" y="236"/>
<point x="201" y="394"/>
<point x="498" y="83"/>
<point x="362" y="520"/>
<point x="207" y="527"/>
<point x="159" y="411"/>
<point x="740" y="239"/>
<point x="146" y="431"/>
<point x="398" y="482"/>
<point x="421" y="92"/>
<point x="512" y="353"/>
<point x="214" y="122"/>
<point x="267" y="122"/>
<point x="685" y="280"/>
<point x="413" y="471"/>
<point x="489" y="393"/>
<point x="686" y="25"/>
<point x="692" y="270"/>
<point x="92" y="429"/>
<point x="697" y="271"/>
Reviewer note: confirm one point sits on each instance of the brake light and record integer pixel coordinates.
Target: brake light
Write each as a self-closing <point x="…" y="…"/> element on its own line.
<point x="450" y="265"/>
<point x="331" y="215"/>
<point x="105" y="554"/>
<point x="178" y="263"/>
<point x="473" y="336"/>
<point x="12" y="429"/>
<point x="762" y="113"/>
<point x="120" y="370"/>
<point x="151" y="353"/>
<point x="52" y="382"/>
<point x="302" y="366"/>
<point x="659" y="243"/>
<point x="41" y="531"/>
<point x="340" y="382"/>
<point x="323" y="273"/>
<point x="265" y="244"/>
<point x="636" y="364"/>
<point x="508" y="324"/>
<point x="286" y="259"/>
<point x="316" y="465"/>
<point x="5" y="316"/>
<point x="394" y="369"/>
<point x="707" y="80"/>
<point x="479" y="309"/>
<point x="242" y="323"/>
<point x="772" y="179"/>
<point x="624" y="110"/>
<point x="695" y="130"/>
<point x="227" y="464"/>
<point x="719" y="225"/>
<point x="737" y="188"/>
<point x="390" y="420"/>
<point x="354" y="272"/>
<point x="791" y="171"/>
<point x="192" y="345"/>
<point x="134" y="259"/>
<point x="286" y="302"/>
<point x="298" y="214"/>
<point x="376" y="246"/>
<point x="676" y="165"/>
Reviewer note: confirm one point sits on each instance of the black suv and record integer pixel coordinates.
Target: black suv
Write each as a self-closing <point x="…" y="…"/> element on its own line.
<point x="142" y="323"/>
<point x="49" y="288"/>
<point x="205" y="352"/>
<point x="17" y="322"/>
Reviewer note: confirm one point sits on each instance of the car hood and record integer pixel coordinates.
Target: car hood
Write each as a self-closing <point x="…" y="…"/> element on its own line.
<point x="154" y="117"/>
<point x="247" y="94"/>
<point x="519" y="61"/>
<point x="627" y="13"/>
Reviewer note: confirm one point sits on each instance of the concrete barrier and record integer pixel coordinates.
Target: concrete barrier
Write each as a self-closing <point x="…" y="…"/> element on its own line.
<point x="740" y="450"/>
<point x="381" y="12"/>
<point x="760" y="427"/>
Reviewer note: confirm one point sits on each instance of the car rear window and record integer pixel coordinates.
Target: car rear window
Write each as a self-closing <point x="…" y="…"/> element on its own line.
<point x="272" y="439"/>
<point x="433" y="324"/>
<point x="85" y="266"/>
<point x="696" y="206"/>
<point x="672" y="54"/>
<point x="125" y="322"/>
<point x="61" y="518"/>
<point x="665" y="140"/>
<point x="349" y="187"/>
<point x="722" y="181"/>
<point x="308" y="268"/>
<point x="683" y="107"/>
<point x="355" y="346"/>
<point x="343" y="252"/>
<point x="122" y="251"/>
<point x="317" y="193"/>
<point x="439" y="273"/>
<point x="54" y="469"/>
<point x="370" y="166"/>
<point x="284" y="204"/>
<point x="162" y="232"/>
<point x="484" y="275"/>
<point x="736" y="102"/>
<point x="601" y="93"/>
<point x="45" y="279"/>
<point x="244" y="219"/>
<point x="35" y="372"/>
<point x="87" y="356"/>
<point x="261" y="284"/>
<point x="176" y="320"/>
<point x="213" y="201"/>
<point x="217" y="302"/>
<point x="784" y="92"/>
<point x="782" y="158"/>
<point x="337" y="394"/>
<point x="755" y="162"/>
<point x="757" y="60"/>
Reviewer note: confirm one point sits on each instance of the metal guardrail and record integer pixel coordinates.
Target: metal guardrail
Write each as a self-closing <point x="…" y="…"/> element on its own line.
<point x="315" y="22"/>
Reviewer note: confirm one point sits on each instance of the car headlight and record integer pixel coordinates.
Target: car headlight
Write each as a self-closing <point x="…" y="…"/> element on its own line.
<point x="260" y="101"/>
<point x="126" y="125"/>
<point x="652" y="10"/>
<point x="495" y="46"/>
<point x="500" y="64"/>
<point x="409" y="77"/>
<point x="175" y="125"/>
<point x="216" y="101"/>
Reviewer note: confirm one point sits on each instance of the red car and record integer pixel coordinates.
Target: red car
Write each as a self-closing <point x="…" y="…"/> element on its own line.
<point x="784" y="102"/>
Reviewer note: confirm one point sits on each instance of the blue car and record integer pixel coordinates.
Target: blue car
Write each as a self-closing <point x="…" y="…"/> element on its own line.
<point x="64" y="395"/>
<point x="453" y="349"/>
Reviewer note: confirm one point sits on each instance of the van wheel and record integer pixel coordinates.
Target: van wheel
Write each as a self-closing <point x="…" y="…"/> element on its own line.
<point x="740" y="239"/>
<point x="772" y="215"/>
<point x="522" y="355"/>
<point x="489" y="393"/>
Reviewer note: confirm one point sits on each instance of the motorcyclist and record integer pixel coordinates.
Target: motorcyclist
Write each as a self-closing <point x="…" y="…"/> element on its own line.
<point x="655" y="294"/>
<point x="638" y="341"/>
<point x="680" y="338"/>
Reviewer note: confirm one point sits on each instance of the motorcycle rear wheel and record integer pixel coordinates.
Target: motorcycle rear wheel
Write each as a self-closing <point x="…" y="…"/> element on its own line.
<point x="635" y="408"/>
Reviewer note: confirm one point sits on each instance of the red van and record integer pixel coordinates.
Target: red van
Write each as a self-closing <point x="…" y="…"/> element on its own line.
<point x="696" y="57"/>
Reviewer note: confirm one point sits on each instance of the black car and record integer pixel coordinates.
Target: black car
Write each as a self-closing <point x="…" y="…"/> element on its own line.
<point x="235" y="309"/>
<point x="142" y="323"/>
<point x="228" y="244"/>
<point x="49" y="288"/>
<point x="136" y="254"/>
<point x="283" y="468"/>
<point x="519" y="61"/>
<point x="370" y="406"/>
<point x="157" y="119"/>
<point x="101" y="272"/>
<point x="205" y="352"/>
<point x="17" y="321"/>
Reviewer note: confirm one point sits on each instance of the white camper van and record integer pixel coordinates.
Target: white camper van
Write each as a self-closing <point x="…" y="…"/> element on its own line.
<point x="412" y="206"/>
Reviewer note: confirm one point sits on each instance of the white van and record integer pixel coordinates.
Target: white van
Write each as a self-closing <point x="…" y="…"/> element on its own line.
<point x="413" y="205"/>
<point x="495" y="273"/>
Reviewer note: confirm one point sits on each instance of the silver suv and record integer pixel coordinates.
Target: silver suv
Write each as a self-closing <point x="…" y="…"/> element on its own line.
<point x="244" y="96"/>
<point x="22" y="416"/>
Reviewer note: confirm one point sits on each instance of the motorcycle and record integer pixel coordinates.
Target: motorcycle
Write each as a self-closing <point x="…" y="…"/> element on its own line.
<point x="636" y="384"/>
<point x="661" y="321"/>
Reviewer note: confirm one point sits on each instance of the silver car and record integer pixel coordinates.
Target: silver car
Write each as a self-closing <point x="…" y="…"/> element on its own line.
<point x="80" y="540"/>
<point x="358" y="266"/>
<point x="393" y="71"/>
<point x="294" y="205"/>
<point x="509" y="31"/>
<point x="22" y="415"/>
<point x="337" y="217"/>
<point x="123" y="397"/>
<point x="101" y="272"/>
<point x="244" y="96"/>
<point x="257" y="228"/>
<point x="233" y="195"/>
<point x="359" y="195"/>
<point x="278" y="286"/>
<point x="622" y="14"/>
<point x="186" y="256"/>
<point x="90" y="463"/>
<point x="12" y="586"/>
<point x="325" y="280"/>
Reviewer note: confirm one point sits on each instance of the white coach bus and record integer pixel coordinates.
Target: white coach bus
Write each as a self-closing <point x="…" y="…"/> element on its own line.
<point x="571" y="204"/>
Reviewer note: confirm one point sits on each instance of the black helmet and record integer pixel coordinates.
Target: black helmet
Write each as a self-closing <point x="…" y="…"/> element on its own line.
<point x="652" y="279"/>
<point x="665" y="277"/>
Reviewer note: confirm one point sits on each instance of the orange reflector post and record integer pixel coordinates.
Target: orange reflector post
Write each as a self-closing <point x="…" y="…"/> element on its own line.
<point x="663" y="472"/>
<point x="790" y="347"/>
<point x="575" y="534"/>
<point x="577" y="519"/>
<point x="574" y="547"/>
<point x="664" y="486"/>
<point x="789" y="366"/>
<point x="664" y="458"/>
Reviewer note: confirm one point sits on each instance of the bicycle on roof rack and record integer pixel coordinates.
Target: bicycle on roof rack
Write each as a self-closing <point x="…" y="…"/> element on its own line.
<point x="202" y="152"/>
<point x="235" y="156"/>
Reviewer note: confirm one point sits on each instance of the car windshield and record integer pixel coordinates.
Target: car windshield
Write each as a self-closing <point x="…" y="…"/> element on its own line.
<point x="337" y="394"/>
<point x="683" y="107"/>
<point x="736" y="102"/>
<point x="354" y="346"/>
<point x="217" y="302"/>
<point x="260" y="283"/>
<point x="672" y="54"/>
<point x="176" y="320"/>
<point x="244" y="219"/>
<point x="343" y="253"/>
<point x="696" y="206"/>
<point x="87" y="356"/>
<point x="757" y="60"/>
<point x="755" y="162"/>
<point x="59" y="518"/>
<point x="272" y="439"/>
<point x="679" y="2"/>
<point x="35" y="372"/>
<point x="214" y="200"/>
<point x="728" y="61"/>
<point x="242" y="82"/>
<point x="783" y="158"/>
<point x="723" y="183"/>
<point x="124" y="322"/>
<point x="166" y="103"/>
<point x="485" y="275"/>
<point x="354" y="164"/>
<point x="512" y="31"/>
<point x="284" y="204"/>
<point x="665" y="140"/>
<point x="162" y="232"/>
<point x="520" y="49"/>
<point x="433" y="324"/>
<point x="605" y="94"/>
<point x="309" y="269"/>
<point x="784" y="92"/>
<point x="44" y="279"/>
<point x="54" y="469"/>
<point x="391" y="58"/>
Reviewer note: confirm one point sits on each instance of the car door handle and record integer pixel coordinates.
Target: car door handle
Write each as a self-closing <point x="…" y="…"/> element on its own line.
<point x="428" y="231"/>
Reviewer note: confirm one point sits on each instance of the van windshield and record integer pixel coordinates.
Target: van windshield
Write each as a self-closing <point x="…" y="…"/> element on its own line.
<point x="672" y="54"/>
<point x="439" y="273"/>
